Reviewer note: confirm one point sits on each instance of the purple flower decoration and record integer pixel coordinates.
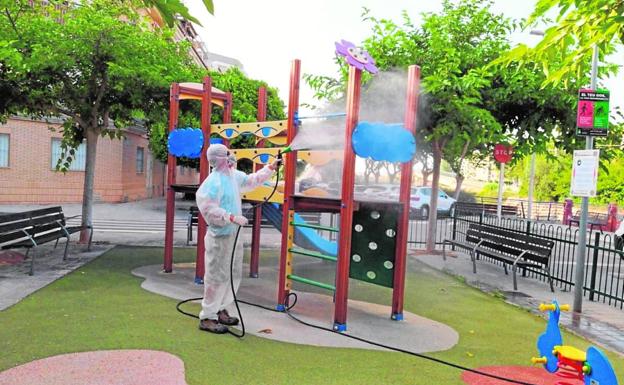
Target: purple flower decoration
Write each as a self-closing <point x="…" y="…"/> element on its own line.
<point x="356" y="56"/>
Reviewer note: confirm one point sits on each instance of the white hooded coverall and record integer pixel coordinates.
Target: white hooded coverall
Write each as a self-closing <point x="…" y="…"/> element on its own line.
<point x="218" y="197"/>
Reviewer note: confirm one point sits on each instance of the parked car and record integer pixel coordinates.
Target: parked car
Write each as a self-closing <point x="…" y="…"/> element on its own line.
<point x="421" y="202"/>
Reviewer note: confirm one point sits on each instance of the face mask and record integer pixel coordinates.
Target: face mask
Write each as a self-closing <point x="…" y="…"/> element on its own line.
<point x="231" y="159"/>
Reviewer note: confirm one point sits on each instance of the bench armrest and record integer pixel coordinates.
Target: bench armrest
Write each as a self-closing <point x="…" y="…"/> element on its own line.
<point x="64" y="229"/>
<point x="520" y="256"/>
<point x="30" y="238"/>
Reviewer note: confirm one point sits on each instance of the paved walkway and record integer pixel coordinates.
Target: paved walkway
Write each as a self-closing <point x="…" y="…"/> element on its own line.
<point x="142" y="223"/>
<point x="16" y="284"/>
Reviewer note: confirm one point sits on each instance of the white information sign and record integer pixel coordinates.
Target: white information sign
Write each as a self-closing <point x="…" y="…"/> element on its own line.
<point x="585" y="173"/>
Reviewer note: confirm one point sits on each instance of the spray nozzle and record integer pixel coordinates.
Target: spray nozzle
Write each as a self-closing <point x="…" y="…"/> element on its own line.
<point x="283" y="151"/>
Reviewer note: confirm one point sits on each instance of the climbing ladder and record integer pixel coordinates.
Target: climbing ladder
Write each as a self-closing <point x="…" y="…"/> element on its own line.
<point x="292" y="250"/>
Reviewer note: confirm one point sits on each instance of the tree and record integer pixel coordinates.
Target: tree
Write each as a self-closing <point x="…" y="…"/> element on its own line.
<point x="99" y="69"/>
<point x="580" y="26"/>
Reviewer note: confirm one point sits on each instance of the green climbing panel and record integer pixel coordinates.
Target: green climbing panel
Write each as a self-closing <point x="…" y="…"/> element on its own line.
<point x="373" y="243"/>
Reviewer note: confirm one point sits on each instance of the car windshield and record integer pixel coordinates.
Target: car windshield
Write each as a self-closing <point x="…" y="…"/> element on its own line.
<point x="426" y="191"/>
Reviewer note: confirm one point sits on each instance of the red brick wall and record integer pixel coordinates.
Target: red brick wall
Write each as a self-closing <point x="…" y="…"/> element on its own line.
<point x="30" y="177"/>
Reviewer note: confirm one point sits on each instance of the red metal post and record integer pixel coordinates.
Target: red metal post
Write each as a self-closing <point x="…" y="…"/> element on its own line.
<point x="346" y="211"/>
<point x="612" y="217"/>
<point x="290" y="166"/>
<point x="174" y="104"/>
<point x="568" y="206"/>
<point x="400" y="262"/>
<point x="227" y="113"/>
<point x="206" y="109"/>
<point x="254" y="261"/>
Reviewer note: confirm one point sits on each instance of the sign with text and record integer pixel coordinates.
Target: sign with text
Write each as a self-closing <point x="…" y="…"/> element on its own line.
<point x="585" y="173"/>
<point x="503" y="153"/>
<point x="592" y="116"/>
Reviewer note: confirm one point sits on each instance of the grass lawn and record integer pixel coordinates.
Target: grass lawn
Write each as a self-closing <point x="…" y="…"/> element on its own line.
<point x="102" y="306"/>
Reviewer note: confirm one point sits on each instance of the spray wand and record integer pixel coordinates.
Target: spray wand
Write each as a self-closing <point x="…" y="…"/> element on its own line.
<point x="285" y="150"/>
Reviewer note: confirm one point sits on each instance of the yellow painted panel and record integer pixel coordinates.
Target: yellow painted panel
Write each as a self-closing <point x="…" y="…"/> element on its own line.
<point x="255" y="154"/>
<point x="261" y="193"/>
<point x="262" y="130"/>
<point x="319" y="158"/>
<point x="217" y="102"/>
<point x="278" y="140"/>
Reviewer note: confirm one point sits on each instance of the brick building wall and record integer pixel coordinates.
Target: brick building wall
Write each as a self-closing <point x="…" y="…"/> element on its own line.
<point x="30" y="176"/>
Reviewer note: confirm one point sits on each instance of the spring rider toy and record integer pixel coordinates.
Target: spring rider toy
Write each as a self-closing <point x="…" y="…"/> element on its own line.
<point x="568" y="362"/>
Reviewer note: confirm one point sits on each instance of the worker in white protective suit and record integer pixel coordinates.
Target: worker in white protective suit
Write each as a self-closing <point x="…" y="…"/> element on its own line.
<point x="219" y="201"/>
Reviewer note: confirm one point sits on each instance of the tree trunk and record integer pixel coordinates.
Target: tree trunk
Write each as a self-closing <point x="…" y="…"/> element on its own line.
<point x="433" y="204"/>
<point x="92" y="136"/>
<point x="425" y="176"/>
<point x="459" y="179"/>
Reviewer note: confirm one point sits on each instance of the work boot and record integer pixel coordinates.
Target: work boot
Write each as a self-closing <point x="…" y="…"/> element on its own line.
<point x="225" y="319"/>
<point x="212" y="326"/>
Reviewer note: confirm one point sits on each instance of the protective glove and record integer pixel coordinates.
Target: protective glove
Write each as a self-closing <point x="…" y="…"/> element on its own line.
<point x="275" y="165"/>
<point x="238" y="219"/>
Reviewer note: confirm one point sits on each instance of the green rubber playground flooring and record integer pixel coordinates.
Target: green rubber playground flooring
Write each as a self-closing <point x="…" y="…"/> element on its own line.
<point x="102" y="306"/>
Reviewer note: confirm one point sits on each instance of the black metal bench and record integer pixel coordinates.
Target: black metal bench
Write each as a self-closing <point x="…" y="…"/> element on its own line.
<point x="594" y="220"/>
<point x="485" y="208"/>
<point x="191" y="222"/>
<point x="510" y="247"/>
<point x="29" y="229"/>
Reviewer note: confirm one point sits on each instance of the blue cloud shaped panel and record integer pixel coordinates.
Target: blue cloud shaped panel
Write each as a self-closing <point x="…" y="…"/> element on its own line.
<point x="383" y="142"/>
<point x="186" y="142"/>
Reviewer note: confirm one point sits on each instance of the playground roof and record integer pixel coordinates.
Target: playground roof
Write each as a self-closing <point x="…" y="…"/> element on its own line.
<point x="194" y="91"/>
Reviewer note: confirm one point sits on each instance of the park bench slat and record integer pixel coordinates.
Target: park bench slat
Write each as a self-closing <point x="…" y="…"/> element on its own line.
<point x="510" y="247"/>
<point x="13" y="226"/>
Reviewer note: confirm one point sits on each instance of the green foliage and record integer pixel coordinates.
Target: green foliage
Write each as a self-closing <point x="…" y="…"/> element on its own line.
<point x="170" y="9"/>
<point x="580" y="26"/>
<point x="490" y="190"/>
<point x="553" y="176"/>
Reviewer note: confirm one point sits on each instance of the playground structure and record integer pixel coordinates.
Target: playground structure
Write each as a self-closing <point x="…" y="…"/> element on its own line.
<point x="371" y="234"/>
<point x="592" y="367"/>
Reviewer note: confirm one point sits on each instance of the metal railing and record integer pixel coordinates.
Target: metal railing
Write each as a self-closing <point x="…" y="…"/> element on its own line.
<point x="604" y="270"/>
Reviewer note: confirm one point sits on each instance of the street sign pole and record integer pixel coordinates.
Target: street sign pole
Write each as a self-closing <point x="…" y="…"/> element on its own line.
<point x="582" y="239"/>
<point x="501" y="184"/>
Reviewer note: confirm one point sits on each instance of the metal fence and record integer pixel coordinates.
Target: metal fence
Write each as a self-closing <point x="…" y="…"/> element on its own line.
<point x="604" y="269"/>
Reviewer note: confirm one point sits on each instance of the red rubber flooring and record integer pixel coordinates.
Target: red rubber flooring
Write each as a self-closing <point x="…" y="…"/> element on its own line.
<point x="10" y="257"/>
<point x="110" y="367"/>
<point x="533" y="375"/>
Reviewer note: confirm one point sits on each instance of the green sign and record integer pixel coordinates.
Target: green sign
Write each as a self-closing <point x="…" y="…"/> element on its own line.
<point x="592" y="118"/>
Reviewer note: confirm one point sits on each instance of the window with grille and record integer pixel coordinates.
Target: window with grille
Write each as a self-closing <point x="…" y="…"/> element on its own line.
<point x="79" y="159"/>
<point x="139" y="160"/>
<point x="4" y="150"/>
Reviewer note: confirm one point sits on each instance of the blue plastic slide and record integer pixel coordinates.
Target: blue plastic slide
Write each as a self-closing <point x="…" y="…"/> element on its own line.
<point x="304" y="237"/>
